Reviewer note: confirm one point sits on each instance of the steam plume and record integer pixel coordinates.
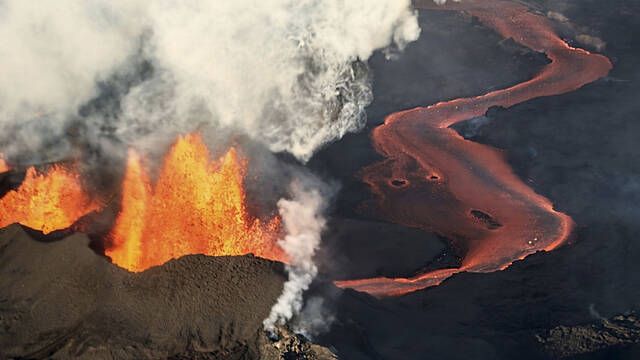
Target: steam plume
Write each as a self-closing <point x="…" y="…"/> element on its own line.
<point x="304" y="222"/>
<point x="288" y="73"/>
<point x="442" y="2"/>
<point x="314" y="319"/>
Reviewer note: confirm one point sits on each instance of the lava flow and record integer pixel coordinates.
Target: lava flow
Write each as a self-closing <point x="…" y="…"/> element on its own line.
<point x="434" y="179"/>
<point x="47" y="201"/>
<point x="195" y="207"/>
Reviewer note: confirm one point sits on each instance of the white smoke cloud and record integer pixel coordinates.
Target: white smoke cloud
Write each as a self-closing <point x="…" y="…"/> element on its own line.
<point x="281" y="71"/>
<point x="442" y="2"/>
<point x="53" y="53"/>
<point x="291" y="74"/>
<point x="303" y="218"/>
<point x="314" y="319"/>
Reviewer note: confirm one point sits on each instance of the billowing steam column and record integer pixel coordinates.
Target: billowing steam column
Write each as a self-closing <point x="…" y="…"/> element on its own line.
<point x="434" y="179"/>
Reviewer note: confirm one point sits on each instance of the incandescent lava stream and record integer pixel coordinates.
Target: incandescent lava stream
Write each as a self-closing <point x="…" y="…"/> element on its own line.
<point x="434" y="179"/>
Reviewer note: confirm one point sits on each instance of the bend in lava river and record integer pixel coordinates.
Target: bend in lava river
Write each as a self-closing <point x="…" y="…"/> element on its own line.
<point x="434" y="179"/>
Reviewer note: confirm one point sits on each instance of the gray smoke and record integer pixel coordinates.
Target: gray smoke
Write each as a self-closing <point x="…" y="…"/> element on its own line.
<point x="304" y="221"/>
<point x="290" y="74"/>
<point x="314" y="319"/>
<point x="442" y="2"/>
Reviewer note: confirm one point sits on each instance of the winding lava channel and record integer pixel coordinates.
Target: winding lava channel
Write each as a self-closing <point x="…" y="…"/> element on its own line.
<point x="434" y="179"/>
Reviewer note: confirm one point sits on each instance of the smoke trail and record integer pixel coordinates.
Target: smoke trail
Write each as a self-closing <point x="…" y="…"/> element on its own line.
<point x="314" y="319"/>
<point x="290" y="74"/>
<point x="52" y="56"/>
<point x="304" y="222"/>
<point x="442" y="2"/>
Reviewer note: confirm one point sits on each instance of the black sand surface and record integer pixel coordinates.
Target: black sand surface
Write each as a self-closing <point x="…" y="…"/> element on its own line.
<point x="59" y="299"/>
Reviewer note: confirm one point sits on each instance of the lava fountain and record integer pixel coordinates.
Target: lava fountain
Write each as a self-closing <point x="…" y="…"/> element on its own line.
<point x="48" y="201"/>
<point x="196" y="206"/>
<point x="436" y="180"/>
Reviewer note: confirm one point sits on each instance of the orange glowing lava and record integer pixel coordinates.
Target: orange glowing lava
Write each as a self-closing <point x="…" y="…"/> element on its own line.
<point x="197" y="206"/>
<point x="47" y="202"/>
<point x="4" y="167"/>
<point x="435" y="179"/>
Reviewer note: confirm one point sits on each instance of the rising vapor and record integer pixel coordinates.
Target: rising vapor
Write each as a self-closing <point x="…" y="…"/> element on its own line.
<point x="290" y="74"/>
<point x="442" y="2"/>
<point x="304" y="221"/>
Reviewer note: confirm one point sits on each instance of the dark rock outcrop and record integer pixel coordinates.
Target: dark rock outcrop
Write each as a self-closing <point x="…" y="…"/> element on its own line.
<point x="566" y="341"/>
<point x="59" y="299"/>
<point x="290" y="346"/>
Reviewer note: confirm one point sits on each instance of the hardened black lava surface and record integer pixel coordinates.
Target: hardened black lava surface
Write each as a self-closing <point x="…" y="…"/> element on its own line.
<point x="579" y="150"/>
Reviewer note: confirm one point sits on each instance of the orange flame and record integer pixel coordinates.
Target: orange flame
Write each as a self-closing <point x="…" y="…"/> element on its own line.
<point x="4" y="167"/>
<point x="196" y="207"/>
<point x="46" y="202"/>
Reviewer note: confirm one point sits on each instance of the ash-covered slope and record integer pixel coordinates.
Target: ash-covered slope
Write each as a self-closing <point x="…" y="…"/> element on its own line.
<point x="59" y="299"/>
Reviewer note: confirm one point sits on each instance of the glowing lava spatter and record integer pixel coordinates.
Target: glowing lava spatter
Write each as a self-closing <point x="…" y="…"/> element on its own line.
<point x="47" y="201"/>
<point x="195" y="207"/>
<point x="4" y="167"/>
<point x="434" y="179"/>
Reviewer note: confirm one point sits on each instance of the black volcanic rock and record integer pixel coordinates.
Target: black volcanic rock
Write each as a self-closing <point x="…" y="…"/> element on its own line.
<point x="60" y="300"/>
<point x="292" y="346"/>
<point x="565" y="341"/>
<point x="372" y="243"/>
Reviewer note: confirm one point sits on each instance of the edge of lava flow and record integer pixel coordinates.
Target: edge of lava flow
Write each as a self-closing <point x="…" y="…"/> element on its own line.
<point x="434" y="179"/>
<point x="197" y="206"/>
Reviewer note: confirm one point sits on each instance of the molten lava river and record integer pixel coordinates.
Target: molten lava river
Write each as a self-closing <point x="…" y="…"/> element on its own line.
<point x="434" y="179"/>
<point x="196" y="206"/>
